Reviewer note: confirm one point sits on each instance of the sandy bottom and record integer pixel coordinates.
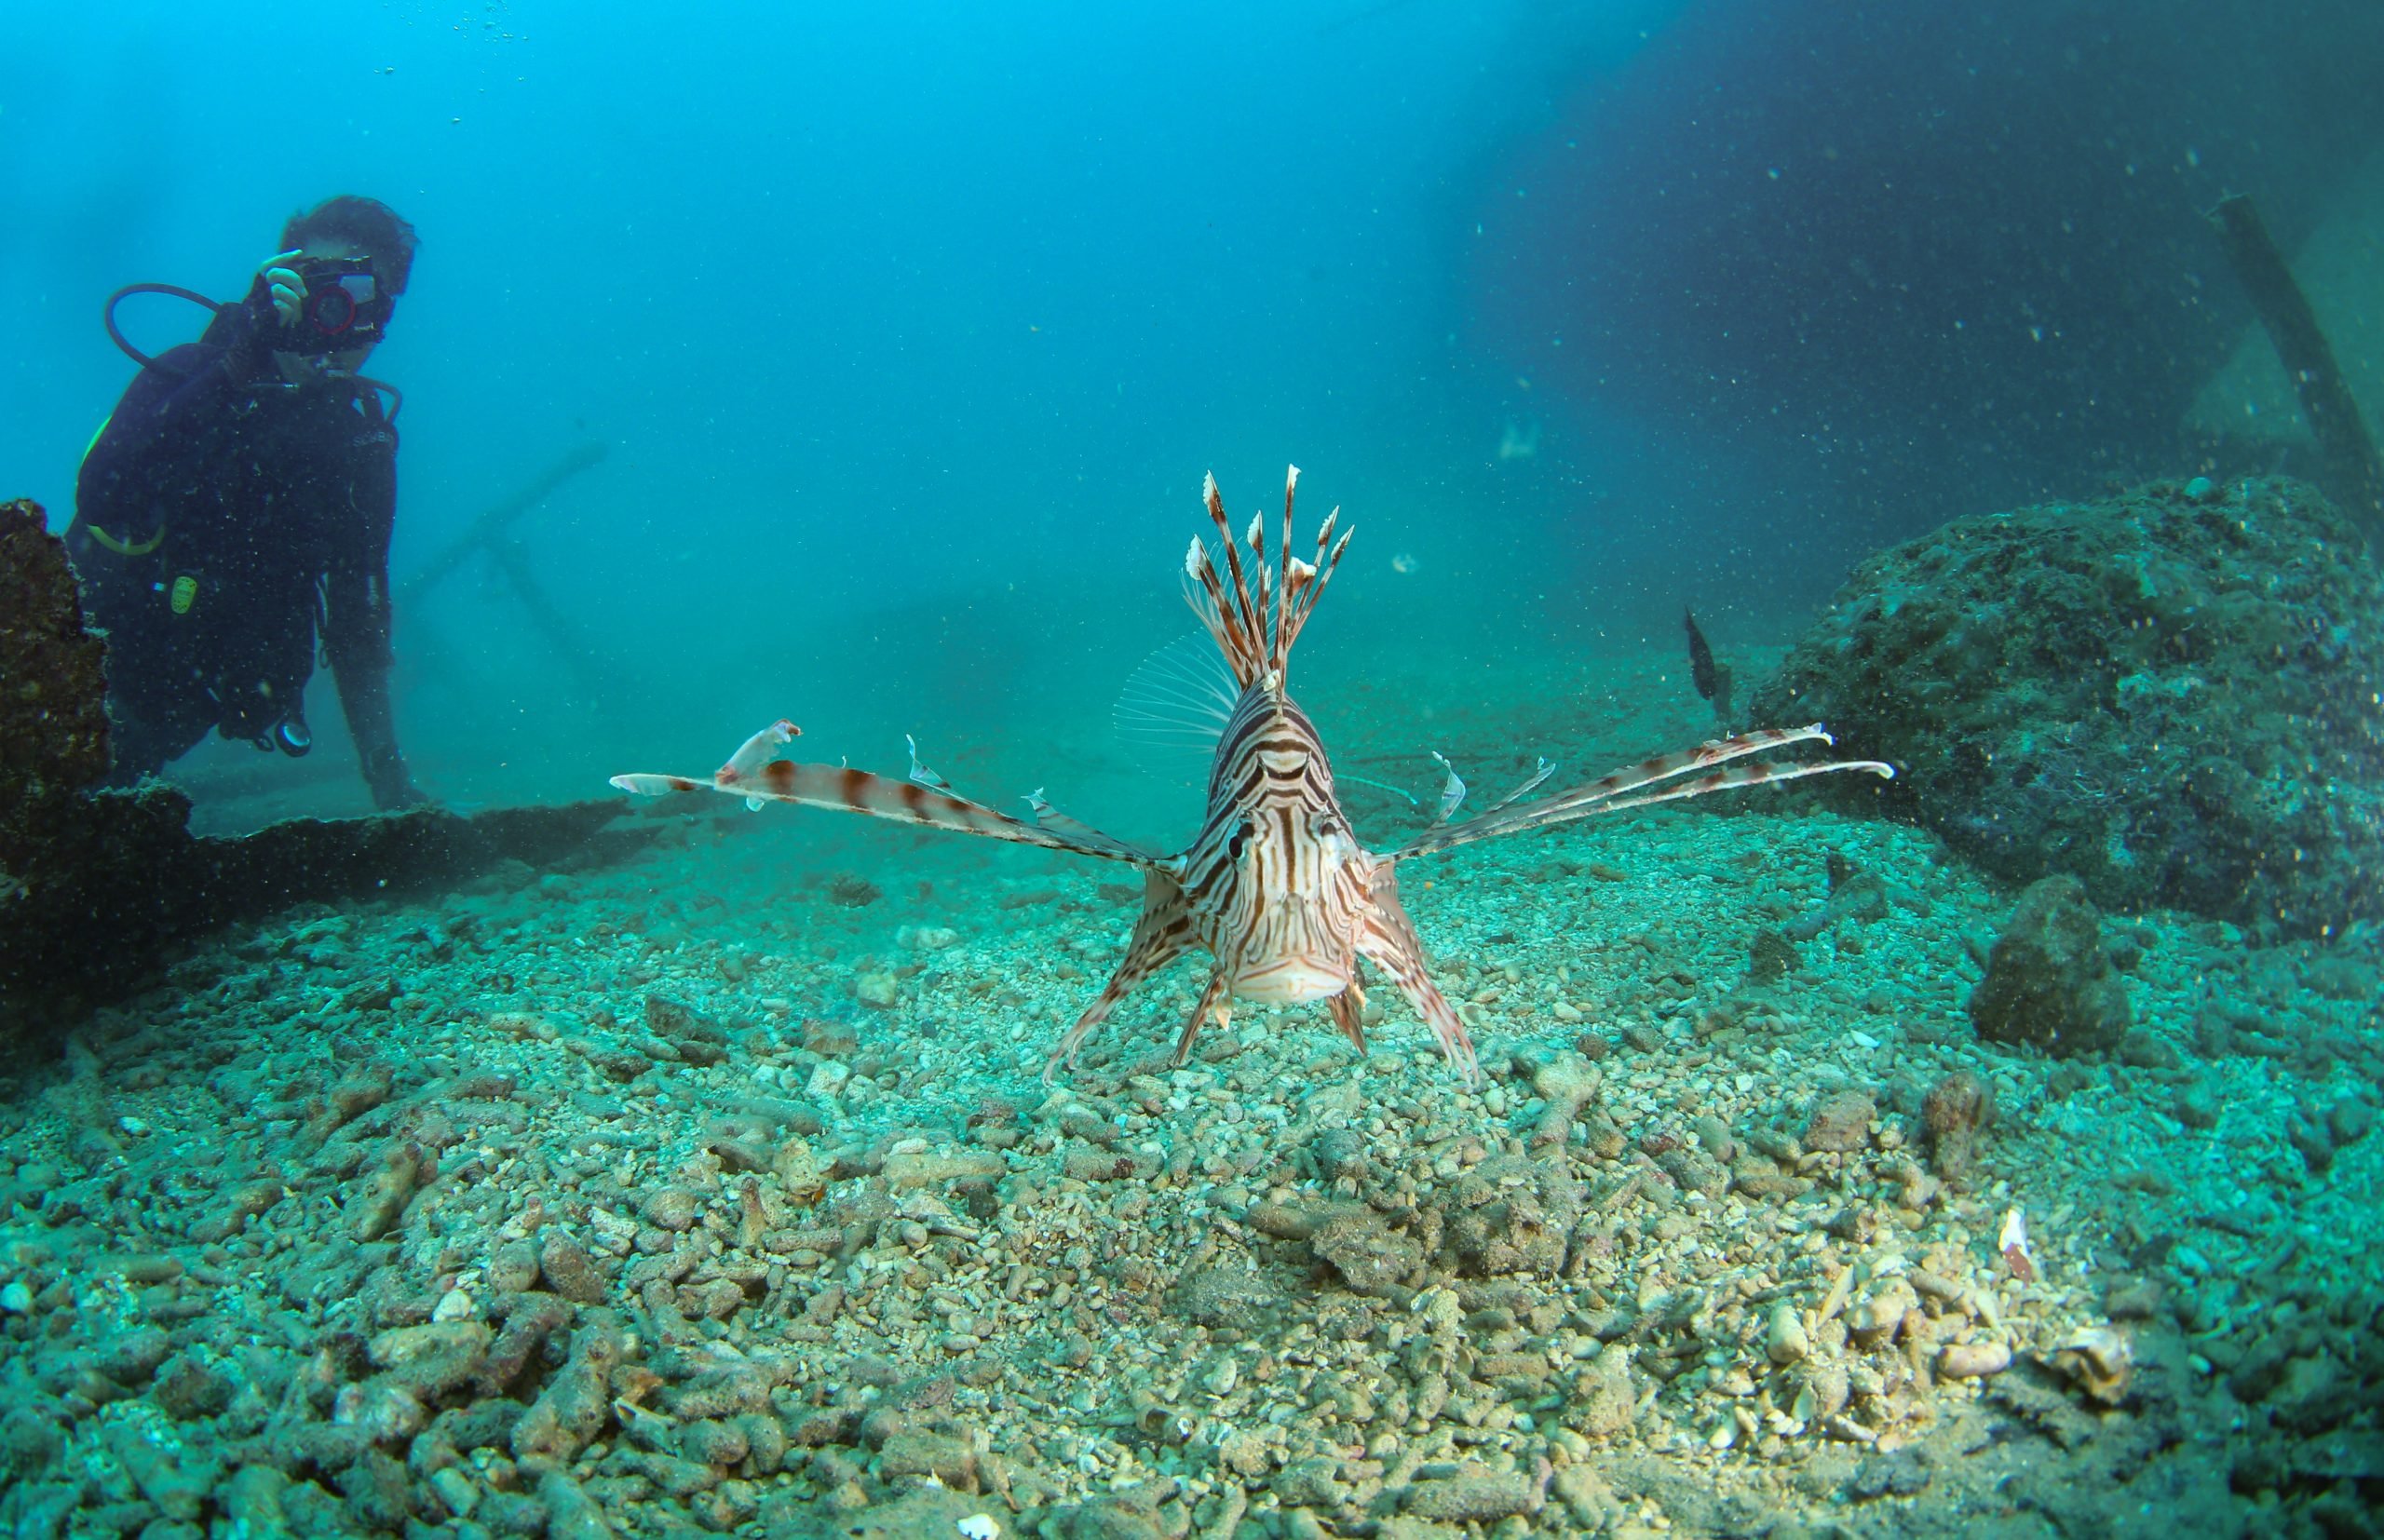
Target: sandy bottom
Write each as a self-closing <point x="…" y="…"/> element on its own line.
<point x="719" y="1191"/>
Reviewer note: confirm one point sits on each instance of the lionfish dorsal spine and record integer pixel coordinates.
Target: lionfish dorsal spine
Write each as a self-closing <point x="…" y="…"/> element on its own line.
<point x="1205" y="593"/>
<point x="1255" y="610"/>
<point x="1294" y="575"/>
<point x="1238" y="633"/>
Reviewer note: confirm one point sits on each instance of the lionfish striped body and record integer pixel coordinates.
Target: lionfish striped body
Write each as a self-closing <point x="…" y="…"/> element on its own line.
<point x="1276" y="888"/>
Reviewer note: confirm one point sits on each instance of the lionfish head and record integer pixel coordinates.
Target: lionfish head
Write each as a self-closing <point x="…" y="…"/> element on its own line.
<point x="1279" y="853"/>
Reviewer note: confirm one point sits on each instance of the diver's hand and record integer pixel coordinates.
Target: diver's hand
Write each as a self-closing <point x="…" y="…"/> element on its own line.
<point x="282" y="285"/>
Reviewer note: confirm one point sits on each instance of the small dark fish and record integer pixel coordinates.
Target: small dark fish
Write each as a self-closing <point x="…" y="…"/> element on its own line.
<point x="1701" y="671"/>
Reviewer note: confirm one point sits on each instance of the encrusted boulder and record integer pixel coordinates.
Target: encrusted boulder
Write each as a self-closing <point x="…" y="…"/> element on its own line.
<point x="53" y="719"/>
<point x="2172" y="696"/>
<point x="2049" y="982"/>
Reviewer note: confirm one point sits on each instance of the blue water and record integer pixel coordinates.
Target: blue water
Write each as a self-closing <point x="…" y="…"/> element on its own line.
<point x="906" y="334"/>
<point x="910" y="331"/>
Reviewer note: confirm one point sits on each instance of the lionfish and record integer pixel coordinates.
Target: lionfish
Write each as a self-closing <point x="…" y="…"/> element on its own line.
<point x="1276" y="886"/>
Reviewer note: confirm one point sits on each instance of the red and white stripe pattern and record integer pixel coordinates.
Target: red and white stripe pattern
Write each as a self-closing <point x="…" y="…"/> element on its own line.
<point x="844" y="790"/>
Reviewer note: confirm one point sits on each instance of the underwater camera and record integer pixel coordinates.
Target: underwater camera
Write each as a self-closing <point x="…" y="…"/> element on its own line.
<point x="343" y="308"/>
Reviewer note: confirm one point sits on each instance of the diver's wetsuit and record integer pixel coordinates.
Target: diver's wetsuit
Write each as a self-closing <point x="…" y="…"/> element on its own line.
<point x="221" y="517"/>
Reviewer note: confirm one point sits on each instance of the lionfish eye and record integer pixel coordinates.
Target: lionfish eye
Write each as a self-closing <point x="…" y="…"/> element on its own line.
<point x="1239" y="840"/>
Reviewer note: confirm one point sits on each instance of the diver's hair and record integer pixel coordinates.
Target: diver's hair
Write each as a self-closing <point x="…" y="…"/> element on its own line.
<point x="362" y="222"/>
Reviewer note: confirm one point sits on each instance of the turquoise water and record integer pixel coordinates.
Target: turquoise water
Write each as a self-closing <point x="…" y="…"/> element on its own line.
<point x="903" y="319"/>
<point x="906" y="335"/>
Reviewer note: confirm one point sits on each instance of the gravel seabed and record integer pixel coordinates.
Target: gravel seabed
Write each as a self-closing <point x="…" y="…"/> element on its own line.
<point x="719" y="1191"/>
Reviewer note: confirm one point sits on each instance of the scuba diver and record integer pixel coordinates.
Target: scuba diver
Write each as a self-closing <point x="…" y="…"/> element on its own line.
<point x="238" y="504"/>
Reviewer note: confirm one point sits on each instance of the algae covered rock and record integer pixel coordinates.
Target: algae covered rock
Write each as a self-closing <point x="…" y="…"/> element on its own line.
<point x="1955" y="1116"/>
<point x="2172" y="696"/>
<point x="1510" y="1214"/>
<point x="2049" y="982"/>
<point x="53" y="712"/>
<point x="1841" y="1121"/>
<point x="53" y="718"/>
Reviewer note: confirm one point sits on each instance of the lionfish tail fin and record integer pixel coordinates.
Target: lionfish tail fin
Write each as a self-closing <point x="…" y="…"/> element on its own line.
<point x="1256" y="609"/>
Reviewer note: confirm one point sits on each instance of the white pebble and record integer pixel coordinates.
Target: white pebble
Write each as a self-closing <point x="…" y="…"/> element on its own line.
<point x="15" y="1298"/>
<point x="1785" y="1342"/>
<point x="1974" y="1361"/>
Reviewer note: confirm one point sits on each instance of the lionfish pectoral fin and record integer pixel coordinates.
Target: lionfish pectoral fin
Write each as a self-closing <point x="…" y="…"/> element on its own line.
<point x="643" y="785"/>
<point x="1174" y="707"/>
<point x="1388" y="940"/>
<point x="844" y="789"/>
<point x="756" y="752"/>
<point x="919" y="772"/>
<point x="1086" y="837"/>
<point x="1540" y="772"/>
<point x="1452" y="790"/>
<point x="1707" y="767"/>
<point x="1161" y="935"/>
